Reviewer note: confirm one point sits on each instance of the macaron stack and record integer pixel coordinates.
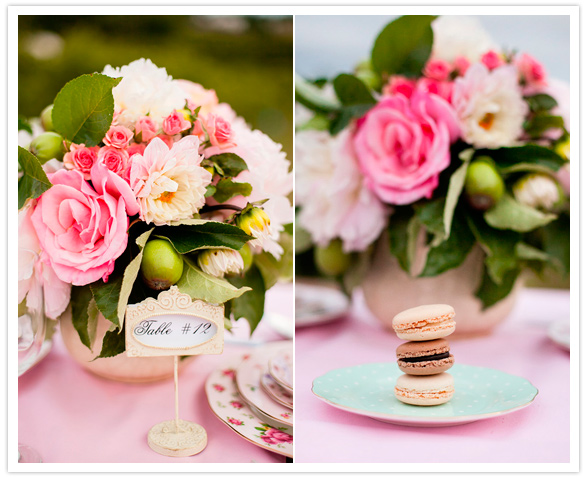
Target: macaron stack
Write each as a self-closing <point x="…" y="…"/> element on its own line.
<point x="425" y="356"/>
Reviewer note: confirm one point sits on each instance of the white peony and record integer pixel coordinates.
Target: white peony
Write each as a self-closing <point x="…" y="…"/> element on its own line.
<point x="490" y="106"/>
<point x="456" y="36"/>
<point x="219" y="261"/>
<point x="169" y="183"/>
<point x="144" y="89"/>
<point x="332" y="192"/>
<point x="537" y="190"/>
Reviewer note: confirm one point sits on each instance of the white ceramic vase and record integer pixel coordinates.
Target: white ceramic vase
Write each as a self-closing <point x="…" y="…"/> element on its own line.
<point x="389" y="290"/>
<point x="120" y="367"/>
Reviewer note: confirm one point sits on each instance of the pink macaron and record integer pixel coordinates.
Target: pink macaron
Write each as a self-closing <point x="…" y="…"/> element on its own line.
<point x="426" y="322"/>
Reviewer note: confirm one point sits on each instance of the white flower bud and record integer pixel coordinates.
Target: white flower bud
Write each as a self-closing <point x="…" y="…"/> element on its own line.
<point x="220" y="261"/>
<point x="539" y="191"/>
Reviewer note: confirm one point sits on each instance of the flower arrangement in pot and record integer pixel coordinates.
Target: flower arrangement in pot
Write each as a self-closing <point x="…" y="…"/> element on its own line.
<point x="140" y="182"/>
<point x="436" y="172"/>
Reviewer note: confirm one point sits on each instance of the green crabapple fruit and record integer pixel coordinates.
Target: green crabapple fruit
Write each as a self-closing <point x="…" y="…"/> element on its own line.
<point x="483" y="184"/>
<point x="47" y="118"/>
<point x="161" y="265"/>
<point x="48" y="145"/>
<point x="331" y="260"/>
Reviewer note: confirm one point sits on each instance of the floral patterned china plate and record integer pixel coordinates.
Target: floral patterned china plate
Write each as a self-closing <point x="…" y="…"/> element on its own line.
<point x="480" y="393"/>
<point x="274" y="390"/>
<point x="248" y="382"/>
<point x="317" y="303"/>
<point x="226" y="402"/>
<point x="281" y="369"/>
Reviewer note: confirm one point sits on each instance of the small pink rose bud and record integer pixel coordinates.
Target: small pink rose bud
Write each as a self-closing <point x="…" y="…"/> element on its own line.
<point x="461" y="65"/>
<point x="175" y="123"/>
<point x="114" y="159"/>
<point x="81" y="158"/>
<point x="399" y="85"/>
<point x="437" y="70"/>
<point x="145" y="129"/>
<point x="219" y="131"/>
<point x="492" y="60"/>
<point x="118" y="136"/>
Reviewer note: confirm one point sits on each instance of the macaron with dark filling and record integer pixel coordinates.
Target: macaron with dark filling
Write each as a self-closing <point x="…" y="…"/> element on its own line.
<point x="423" y="358"/>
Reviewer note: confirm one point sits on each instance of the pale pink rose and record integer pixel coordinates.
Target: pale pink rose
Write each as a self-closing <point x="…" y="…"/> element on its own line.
<point x="175" y="123"/>
<point x="135" y="149"/>
<point x="114" y="159"/>
<point x="118" y="136"/>
<point x="492" y="60"/>
<point x="145" y="129"/>
<point x="402" y="146"/>
<point x="169" y="183"/>
<point x="37" y="281"/>
<point x="198" y="96"/>
<point x="437" y="70"/>
<point x="82" y="229"/>
<point x="81" y="158"/>
<point x="399" y="85"/>
<point x="531" y="73"/>
<point x="219" y="131"/>
<point x="431" y="86"/>
<point x="275" y="436"/>
<point x="461" y="65"/>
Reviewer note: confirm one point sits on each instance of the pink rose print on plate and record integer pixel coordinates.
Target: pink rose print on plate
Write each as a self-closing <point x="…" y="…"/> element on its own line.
<point x="274" y="436"/>
<point x="235" y="422"/>
<point x="218" y="387"/>
<point x="229" y="373"/>
<point x="286" y="415"/>
<point x="236" y="404"/>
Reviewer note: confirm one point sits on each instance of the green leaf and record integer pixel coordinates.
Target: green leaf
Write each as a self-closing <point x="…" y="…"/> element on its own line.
<point x="210" y="191"/>
<point x="23" y="125"/>
<point x="205" y="287"/>
<point x="106" y="296"/>
<point x="556" y="241"/>
<point x="83" y="109"/>
<point x="231" y="164"/>
<point x="346" y="115"/>
<point x="403" y="232"/>
<point x="251" y="305"/>
<point x="506" y="157"/>
<point x="188" y="238"/>
<point x="527" y="252"/>
<point x="452" y="252"/>
<point x="80" y="301"/>
<point x="536" y="126"/>
<point x="525" y="167"/>
<point x="431" y="215"/>
<point x="540" y="102"/>
<point x="93" y="314"/>
<point x="490" y="293"/>
<point x="113" y="344"/>
<point x="403" y="46"/>
<point x="130" y="275"/>
<point x="34" y="181"/>
<point x="313" y="97"/>
<point x="318" y="122"/>
<point x="455" y="187"/>
<point x="352" y="91"/>
<point x="498" y="245"/>
<point x="510" y="214"/>
<point x="226" y="189"/>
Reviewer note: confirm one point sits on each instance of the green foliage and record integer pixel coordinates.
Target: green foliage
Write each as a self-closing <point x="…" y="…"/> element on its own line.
<point x="83" y="109"/>
<point x="200" y="285"/>
<point x="490" y="293"/>
<point x="80" y="300"/>
<point x="540" y="102"/>
<point x="556" y="241"/>
<point x="431" y="215"/>
<point x="188" y="238"/>
<point x="539" y="123"/>
<point x="34" y="181"/>
<point x="106" y="296"/>
<point x="312" y="97"/>
<point x="507" y="157"/>
<point x="510" y="214"/>
<point x="228" y="164"/>
<point x="113" y="344"/>
<point x="23" y="125"/>
<point x="403" y="46"/>
<point x="455" y="187"/>
<point x="251" y="305"/>
<point x="227" y="189"/>
<point x="403" y="232"/>
<point x="273" y="269"/>
<point x="346" y="115"/>
<point x="352" y="91"/>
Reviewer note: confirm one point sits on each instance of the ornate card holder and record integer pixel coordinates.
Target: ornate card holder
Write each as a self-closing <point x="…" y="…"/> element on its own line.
<point x="175" y="325"/>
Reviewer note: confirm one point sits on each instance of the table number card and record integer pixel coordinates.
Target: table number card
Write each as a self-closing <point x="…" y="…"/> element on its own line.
<point x="175" y="325"/>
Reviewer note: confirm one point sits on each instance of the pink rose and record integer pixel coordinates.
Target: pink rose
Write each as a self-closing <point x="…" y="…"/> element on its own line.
<point x="403" y="144"/>
<point x="531" y="72"/>
<point x="399" y="85"/>
<point x="236" y="404"/>
<point x="145" y="129"/>
<point x="135" y="149"/>
<point x="218" y="387"/>
<point x="461" y="65"/>
<point x="114" y="159"/>
<point x="275" y="436"/>
<point x="81" y="158"/>
<point x="175" y="123"/>
<point x="219" y="131"/>
<point x="118" y="136"/>
<point x="82" y="229"/>
<point x="492" y="60"/>
<point x="437" y="70"/>
<point x="234" y="421"/>
<point x="441" y="88"/>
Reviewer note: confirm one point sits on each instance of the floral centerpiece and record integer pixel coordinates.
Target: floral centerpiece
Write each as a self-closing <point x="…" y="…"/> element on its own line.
<point x="138" y="182"/>
<point x="441" y="136"/>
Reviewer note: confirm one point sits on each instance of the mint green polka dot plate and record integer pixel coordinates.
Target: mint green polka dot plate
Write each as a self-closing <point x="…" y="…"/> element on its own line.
<point x="368" y="390"/>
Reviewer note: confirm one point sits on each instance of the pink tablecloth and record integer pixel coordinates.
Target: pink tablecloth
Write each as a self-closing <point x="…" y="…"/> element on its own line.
<point x="70" y="415"/>
<point x="539" y="433"/>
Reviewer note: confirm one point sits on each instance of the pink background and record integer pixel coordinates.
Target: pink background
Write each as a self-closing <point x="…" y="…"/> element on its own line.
<point x="539" y="433"/>
<point x="69" y="415"/>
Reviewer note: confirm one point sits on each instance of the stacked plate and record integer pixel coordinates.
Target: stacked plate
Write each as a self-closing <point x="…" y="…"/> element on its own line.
<point x="253" y="395"/>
